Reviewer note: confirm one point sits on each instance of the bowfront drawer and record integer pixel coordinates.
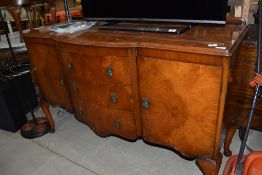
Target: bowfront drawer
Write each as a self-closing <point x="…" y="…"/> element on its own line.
<point x="106" y="121"/>
<point x="106" y="95"/>
<point x="113" y="69"/>
<point x="118" y="122"/>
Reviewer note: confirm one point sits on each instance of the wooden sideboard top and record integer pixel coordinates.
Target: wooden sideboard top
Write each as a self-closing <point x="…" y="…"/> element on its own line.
<point x="202" y="39"/>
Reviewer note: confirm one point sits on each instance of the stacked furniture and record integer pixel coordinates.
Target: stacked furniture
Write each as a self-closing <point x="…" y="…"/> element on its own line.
<point x="240" y="94"/>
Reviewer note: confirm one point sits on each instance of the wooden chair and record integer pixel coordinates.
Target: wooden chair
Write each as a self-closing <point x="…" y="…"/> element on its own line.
<point x="57" y="13"/>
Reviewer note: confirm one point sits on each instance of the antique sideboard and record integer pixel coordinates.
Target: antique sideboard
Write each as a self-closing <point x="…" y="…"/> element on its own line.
<point x="165" y="88"/>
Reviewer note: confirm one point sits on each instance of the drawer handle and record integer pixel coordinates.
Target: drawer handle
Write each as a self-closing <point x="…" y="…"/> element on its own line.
<point x="113" y="98"/>
<point x="69" y="64"/>
<point x="75" y="88"/>
<point x="81" y="111"/>
<point x="145" y="103"/>
<point x="117" y="124"/>
<point x="109" y="72"/>
<point x="62" y="80"/>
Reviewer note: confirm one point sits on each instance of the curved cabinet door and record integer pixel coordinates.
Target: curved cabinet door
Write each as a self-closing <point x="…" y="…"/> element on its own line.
<point x="179" y="104"/>
<point x="49" y="73"/>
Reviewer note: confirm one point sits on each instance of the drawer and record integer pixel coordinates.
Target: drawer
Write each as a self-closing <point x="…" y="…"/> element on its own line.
<point x="98" y="68"/>
<point x="106" y="95"/>
<point x="106" y="121"/>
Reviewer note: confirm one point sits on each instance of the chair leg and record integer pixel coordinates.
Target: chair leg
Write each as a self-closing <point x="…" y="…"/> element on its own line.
<point x="15" y="12"/>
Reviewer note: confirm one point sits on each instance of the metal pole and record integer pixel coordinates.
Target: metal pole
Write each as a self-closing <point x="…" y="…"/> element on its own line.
<point x="67" y="10"/>
<point x="250" y="118"/>
<point x="7" y="37"/>
<point x="259" y="37"/>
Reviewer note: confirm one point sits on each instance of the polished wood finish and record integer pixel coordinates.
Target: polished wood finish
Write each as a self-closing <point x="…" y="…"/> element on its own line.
<point x="50" y="79"/>
<point x="45" y="107"/>
<point x="210" y="167"/>
<point x="240" y="94"/>
<point x="135" y="91"/>
<point x="89" y="67"/>
<point x="49" y="74"/>
<point x="171" y="88"/>
<point x="168" y="89"/>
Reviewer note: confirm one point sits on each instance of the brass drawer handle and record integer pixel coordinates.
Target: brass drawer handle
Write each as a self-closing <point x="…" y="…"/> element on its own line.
<point x="113" y="98"/>
<point x="109" y="72"/>
<point x="145" y="103"/>
<point x="74" y="87"/>
<point x="81" y="111"/>
<point x="69" y="64"/>
<point x="117" y="124"/>
<point x="62" y="80"/>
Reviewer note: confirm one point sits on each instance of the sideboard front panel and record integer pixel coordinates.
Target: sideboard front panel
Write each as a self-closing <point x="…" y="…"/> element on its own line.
<point x="100" y="88"/>
<point x="180" y="104"/>
<point x="49" y="74"/>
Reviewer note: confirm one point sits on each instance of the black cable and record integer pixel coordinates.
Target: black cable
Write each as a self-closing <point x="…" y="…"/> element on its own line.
<point x="249" y="149"/>
<point x="241" y="139"/>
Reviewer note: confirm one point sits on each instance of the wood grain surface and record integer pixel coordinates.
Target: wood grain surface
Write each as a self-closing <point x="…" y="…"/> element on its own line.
<point x="168" y="89"/>
<point x="178" y="98"/>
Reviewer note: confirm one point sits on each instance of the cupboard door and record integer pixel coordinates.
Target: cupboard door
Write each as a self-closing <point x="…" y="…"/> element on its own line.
<point x="179" y="104"/>
<point x="49" y="74"/>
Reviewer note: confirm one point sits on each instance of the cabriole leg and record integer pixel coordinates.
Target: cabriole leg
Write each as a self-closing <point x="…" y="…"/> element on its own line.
<point x="45" y="107"/>
<point x="230" y="134"/>
<point x="208" y="166"/>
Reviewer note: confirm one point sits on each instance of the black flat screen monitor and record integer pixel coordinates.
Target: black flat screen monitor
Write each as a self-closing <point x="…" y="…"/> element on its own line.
<point x="189" y="11"/>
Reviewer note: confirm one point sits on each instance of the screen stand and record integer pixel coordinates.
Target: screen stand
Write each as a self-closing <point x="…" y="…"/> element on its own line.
<point x="147" y="27"/>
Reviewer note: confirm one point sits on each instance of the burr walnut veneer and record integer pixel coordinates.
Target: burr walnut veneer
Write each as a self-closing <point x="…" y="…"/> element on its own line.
<point x="168" y="89"/>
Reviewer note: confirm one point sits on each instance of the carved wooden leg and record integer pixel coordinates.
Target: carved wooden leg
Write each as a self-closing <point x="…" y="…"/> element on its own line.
<point x="230" y="134"/>
<point x="208" y="166"/>
<point x="45" y="107"/>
